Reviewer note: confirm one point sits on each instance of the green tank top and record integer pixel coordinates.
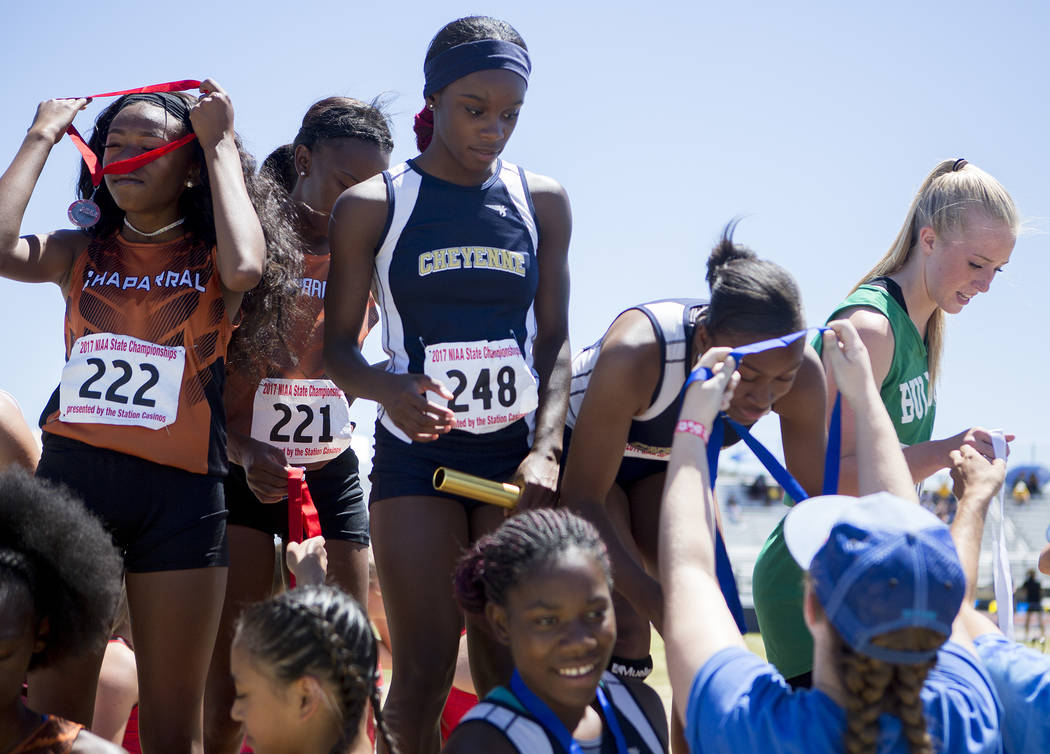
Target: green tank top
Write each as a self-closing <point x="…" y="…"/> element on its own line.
<point x="777" y="580"/>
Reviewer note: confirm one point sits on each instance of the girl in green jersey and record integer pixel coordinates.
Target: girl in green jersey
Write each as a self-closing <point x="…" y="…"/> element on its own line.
<point x="959" y="232"/>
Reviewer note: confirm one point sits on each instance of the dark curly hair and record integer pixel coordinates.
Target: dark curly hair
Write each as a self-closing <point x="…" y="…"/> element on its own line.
<point x="279" y="165"/>
<point x="64" y="560"/>
<point x="749" y="296"/>
<point x="499" y="561"/>
<point x="265" y="312"/>
<point x="322" y="632"/>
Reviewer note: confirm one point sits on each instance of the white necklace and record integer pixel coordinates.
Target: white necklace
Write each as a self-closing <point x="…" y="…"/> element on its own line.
<point x="165" y="229"/>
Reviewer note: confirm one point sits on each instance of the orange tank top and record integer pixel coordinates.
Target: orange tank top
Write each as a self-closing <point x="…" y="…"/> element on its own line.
<point x="146" y="332"/>
<point x="304" y="361"/>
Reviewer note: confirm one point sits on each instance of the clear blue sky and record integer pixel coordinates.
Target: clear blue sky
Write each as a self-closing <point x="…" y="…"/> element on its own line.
<point x="663" y="120"/>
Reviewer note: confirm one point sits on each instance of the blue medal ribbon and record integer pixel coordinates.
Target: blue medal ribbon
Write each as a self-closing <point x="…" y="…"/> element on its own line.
<point x="546" y="717"/>
<point x="723" y="566"/>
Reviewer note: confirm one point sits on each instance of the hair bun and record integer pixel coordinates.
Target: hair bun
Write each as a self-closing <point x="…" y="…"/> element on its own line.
<point x="468" y="584"/>
<point x="424" y="128"/>
<point x="725" y="251"/>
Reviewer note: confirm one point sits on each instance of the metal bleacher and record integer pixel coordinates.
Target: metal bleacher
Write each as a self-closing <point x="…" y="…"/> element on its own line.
<point x="1026" y="534"/>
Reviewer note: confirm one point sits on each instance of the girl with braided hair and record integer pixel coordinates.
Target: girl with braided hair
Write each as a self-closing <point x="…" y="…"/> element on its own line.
<point x="59" y="586"/>
<point x="543" y="583"/>
<point x="305" y="668"/>
<point x="341" y="142"/>
<point x="895" y="669"/>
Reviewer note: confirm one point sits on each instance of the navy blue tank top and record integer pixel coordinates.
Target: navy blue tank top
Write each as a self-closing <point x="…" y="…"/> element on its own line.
<point x="651" y="432"/>
<point x="455" y="278"/>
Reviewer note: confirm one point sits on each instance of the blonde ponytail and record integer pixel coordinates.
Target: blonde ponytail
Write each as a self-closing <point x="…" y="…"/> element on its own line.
<point x="950" y="189"/>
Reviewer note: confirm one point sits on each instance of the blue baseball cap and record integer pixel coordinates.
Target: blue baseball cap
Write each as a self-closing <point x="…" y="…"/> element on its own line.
<point x="878" y="564"/>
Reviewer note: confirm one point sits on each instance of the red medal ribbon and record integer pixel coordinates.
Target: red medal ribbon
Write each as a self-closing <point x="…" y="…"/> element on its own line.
<point x="133" y="163"/>
<point x="303" y="521"/>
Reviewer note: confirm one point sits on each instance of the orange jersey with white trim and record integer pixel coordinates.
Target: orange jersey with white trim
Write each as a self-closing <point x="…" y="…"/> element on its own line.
<point x="305" y="357"/>
<point x="168" y="298"/>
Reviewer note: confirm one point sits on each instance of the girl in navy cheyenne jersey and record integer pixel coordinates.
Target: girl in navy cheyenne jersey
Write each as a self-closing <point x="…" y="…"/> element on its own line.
<point x="467" y="255"/>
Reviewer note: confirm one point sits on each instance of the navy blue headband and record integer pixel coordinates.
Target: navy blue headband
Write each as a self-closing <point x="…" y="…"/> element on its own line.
<point x="461" y="60"/>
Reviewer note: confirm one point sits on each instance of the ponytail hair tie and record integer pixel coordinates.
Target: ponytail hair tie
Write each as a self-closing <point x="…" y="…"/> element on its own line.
<point x="959" y="165"/>
<point x="424" y="128"/>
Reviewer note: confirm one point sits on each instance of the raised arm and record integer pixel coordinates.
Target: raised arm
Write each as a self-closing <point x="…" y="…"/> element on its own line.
<point x="977" y="480"/>
<point x="697" y="621"/>
<point x="36" y="258"/>
<point x="552" y="357"/>
<point x="240" y="245"/>
<point x="354" y="234"/>
<point x="619" y="388"/>
<point x="880" y="464"/>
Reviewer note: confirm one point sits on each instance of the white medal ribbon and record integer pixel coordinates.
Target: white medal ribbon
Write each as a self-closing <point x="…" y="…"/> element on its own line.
<point x="1002" y="579"/>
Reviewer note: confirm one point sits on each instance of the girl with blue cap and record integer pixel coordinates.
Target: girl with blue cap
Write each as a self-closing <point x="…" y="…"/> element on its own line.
<point x="957" y="235"/>
<point x="894" y="670"/>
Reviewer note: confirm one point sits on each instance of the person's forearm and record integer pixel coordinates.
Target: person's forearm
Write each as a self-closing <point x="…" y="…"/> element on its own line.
<point x="235" y="445"/>
<point x="347" y="367"/>
<point x="687" y="518"/>
<point x="880" y="462"/>
<point x="967" y="530"/>
<point x="16" y="187"/>
<point x="553" y="363"/>
<point x="923" y="460"/>
<point x="238" y="234"/>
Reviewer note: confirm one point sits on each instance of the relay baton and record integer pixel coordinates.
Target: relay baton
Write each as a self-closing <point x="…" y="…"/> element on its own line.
<point x="476" y="488"/>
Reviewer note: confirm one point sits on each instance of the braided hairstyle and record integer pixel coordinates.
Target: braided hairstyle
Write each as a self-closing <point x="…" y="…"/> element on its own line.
<point x="458" y="32"/>
<point x="944" y="202"/>
<point x="499" y="561"/>
<point x="322" y="632"/>
<point x="875" y="687"/>
<point x="57" y="556"/>
<point x="749" y="296"/>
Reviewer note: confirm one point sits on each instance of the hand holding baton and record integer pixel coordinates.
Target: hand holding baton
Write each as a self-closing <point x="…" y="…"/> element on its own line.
<point x="455" y="482"/>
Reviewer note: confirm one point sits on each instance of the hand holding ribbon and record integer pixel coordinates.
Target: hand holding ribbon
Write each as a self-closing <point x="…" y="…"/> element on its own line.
<point x="303" y="521"/>
<point x="54" y="116"/>
<point x="212" y="114"/>
<point x="704" y="374"/>
<point x="84" y="212"/>
<point x="717" y="377"/>
<point x="848" y="359"/>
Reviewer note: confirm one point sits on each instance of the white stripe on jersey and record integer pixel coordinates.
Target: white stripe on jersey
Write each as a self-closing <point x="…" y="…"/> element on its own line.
<point x="514" y="180"/>
<point x="405" y="184"/>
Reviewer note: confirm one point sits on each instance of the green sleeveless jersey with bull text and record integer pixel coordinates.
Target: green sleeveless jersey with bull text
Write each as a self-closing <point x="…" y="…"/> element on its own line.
<point x="906" y="389"/>
<point x="777" y="579"/>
